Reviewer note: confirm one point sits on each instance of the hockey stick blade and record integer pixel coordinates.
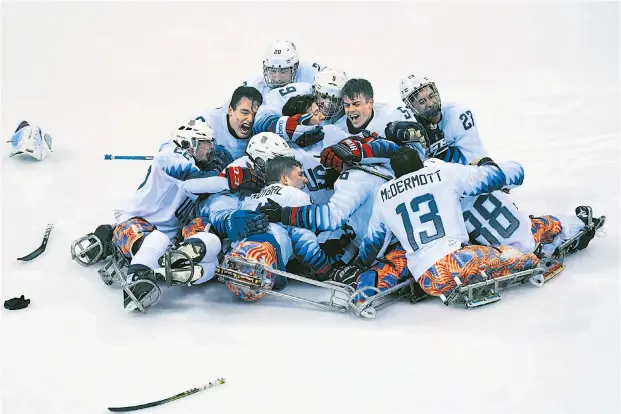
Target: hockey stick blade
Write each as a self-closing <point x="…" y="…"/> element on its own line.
<point x="169" y="399"/>
<point x="41" y="248"/>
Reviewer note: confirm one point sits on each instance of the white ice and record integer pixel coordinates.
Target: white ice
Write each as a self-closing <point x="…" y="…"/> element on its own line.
<point x="542" y="79"/>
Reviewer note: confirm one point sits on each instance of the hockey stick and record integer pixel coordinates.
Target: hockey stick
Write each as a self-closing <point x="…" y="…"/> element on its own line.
<point x="41" y="248"/>
<point x="127" y="157"/>
<point x="169" y="399"/>
<point x="375" y="173"/>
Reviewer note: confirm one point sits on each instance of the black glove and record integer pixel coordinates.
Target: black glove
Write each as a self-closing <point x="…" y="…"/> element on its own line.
<point x="332" y="247"/>
<point x="272" y="210"/>
<point x="330" y="177"/>
<point x="16" y="303"/>
<point x="434" y="133"/>
<point x="243" y="179"/>
<point x="348" y="275"/>
<point x="405" y="132"/>
<point x="218" y="162"/>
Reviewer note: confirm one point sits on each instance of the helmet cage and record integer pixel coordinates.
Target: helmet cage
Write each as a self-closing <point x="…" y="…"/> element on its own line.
<point x="429" y="112"/>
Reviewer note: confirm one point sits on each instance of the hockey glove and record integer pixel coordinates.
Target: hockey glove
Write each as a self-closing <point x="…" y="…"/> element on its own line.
<point x="244" y="223"/>
<point x="16" y="303"/>
<point x="348" y="150"/>
<point x="297" y="130"/>
<point x="348" y="275"/>
<point x="243" y="179"/>
<point x="406" y="133"/>
<point x="272" y="210"/>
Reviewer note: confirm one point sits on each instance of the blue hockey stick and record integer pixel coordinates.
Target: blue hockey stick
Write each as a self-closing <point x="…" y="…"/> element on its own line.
<point x="127" y="157"/>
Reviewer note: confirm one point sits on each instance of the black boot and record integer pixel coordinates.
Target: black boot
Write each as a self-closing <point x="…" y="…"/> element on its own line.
<point x="141" y="290"/>
<point x="584" y="237"/>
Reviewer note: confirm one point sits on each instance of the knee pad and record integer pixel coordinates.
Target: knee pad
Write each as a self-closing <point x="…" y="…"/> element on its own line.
<point x="213" y="245"/>
<point x="153" y="246"/>
<point x="128" y="235"/>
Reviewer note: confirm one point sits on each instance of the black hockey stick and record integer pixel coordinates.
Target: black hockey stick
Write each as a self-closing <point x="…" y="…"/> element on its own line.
<point x="169" y="399"/>
<point x="41" y="248"/>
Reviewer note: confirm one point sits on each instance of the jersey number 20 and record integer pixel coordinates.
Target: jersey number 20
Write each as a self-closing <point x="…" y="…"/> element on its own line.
<point x="432" y="217"/>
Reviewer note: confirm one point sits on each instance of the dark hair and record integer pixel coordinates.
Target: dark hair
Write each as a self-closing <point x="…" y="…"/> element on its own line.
<point x="298" y="105"/>
<point x="404" y="161"/>
<point x="249" y="92"/>
<point x="355" y="87"/>
<point x="279" y="166"/>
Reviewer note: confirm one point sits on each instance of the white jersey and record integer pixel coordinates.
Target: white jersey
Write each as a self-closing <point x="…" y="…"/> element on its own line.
<point x="422" y="209"/>
<point x="162" y="199"/>
<point x="286" y="196"/>
<point x="217" y="119"/>
<point x="460" y="131"/>
<point x="306" y="73"/>
<point x="493" y="220"/>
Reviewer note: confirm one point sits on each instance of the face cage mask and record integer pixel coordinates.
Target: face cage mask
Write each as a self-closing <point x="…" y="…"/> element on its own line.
<point x="330" y="106"/>
<point x="269" y="80"/>
<point x="430" y="112"/>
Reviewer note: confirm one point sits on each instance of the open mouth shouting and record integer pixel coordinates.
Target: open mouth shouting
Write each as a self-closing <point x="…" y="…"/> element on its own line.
<point x="245" y="128"/>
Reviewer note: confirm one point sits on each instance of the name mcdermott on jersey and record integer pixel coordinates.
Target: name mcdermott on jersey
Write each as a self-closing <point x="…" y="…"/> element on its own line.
<point x="408" y="183"/>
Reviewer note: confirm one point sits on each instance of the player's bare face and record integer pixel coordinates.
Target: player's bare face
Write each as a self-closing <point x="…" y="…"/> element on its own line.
<point x="295" y="178"/>
<point x="318" y="116"/>
<point x="241" y="119"/>
<point x="358" y="109"/>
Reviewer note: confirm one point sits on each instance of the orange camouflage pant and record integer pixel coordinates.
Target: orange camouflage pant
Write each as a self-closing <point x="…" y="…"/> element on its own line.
<point x="545" y="229"/>
<point x="467" y="264"/>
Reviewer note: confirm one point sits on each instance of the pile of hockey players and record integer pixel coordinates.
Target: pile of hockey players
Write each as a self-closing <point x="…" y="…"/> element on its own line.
<point x="303" y="176"/>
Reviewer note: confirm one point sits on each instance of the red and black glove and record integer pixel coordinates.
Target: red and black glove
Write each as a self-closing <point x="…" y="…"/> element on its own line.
<point x="298" y="130"/>
<point x="243" y="179"/>
<point x="347" y="151"/>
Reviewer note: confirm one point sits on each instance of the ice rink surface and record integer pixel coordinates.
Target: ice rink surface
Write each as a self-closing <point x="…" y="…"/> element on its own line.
<point x="542" y="80"/>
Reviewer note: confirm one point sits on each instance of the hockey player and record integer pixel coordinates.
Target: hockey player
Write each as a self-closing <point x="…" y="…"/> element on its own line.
<point x="144" y="229"/>
<point x="327" y="92"/>
<point x="421" y="208"/>
<point x="274" y="248"/>
<point x="282" y="66"/>
<point x="233" y="123"/>
<point x="493" y="219"/>
<point x="31" y="140"/>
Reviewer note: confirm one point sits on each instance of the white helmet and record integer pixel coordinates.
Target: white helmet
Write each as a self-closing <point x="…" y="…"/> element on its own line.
<point x="413" y="84"/>
<point x="190" y="134"/>
<point x="266" y="146"/>
<point x="281" y="59"/>
<point x="31" y="140"/>
<point x="328" y="91"/>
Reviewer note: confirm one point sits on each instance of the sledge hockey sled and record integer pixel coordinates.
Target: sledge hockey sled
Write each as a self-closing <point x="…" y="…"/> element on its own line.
<point x="113" y="271"/>
<point x="340" y="295"/>
<point x="488" y="291"/>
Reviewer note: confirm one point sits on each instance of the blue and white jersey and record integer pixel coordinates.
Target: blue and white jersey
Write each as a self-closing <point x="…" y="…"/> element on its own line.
<point x="162" y="198"/>
<point x="461" y="143"/>
<point x="494" y="220"/>
<point x="422" y="209"/>
<point x="285" y="196"/>
<point x="351" y="204"/>
<point x="306" y="73"/>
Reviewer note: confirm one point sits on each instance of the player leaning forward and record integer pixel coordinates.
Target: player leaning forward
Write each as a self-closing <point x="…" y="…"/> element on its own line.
<point x="161" y="206"/>
<point x="421" y="208"/>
